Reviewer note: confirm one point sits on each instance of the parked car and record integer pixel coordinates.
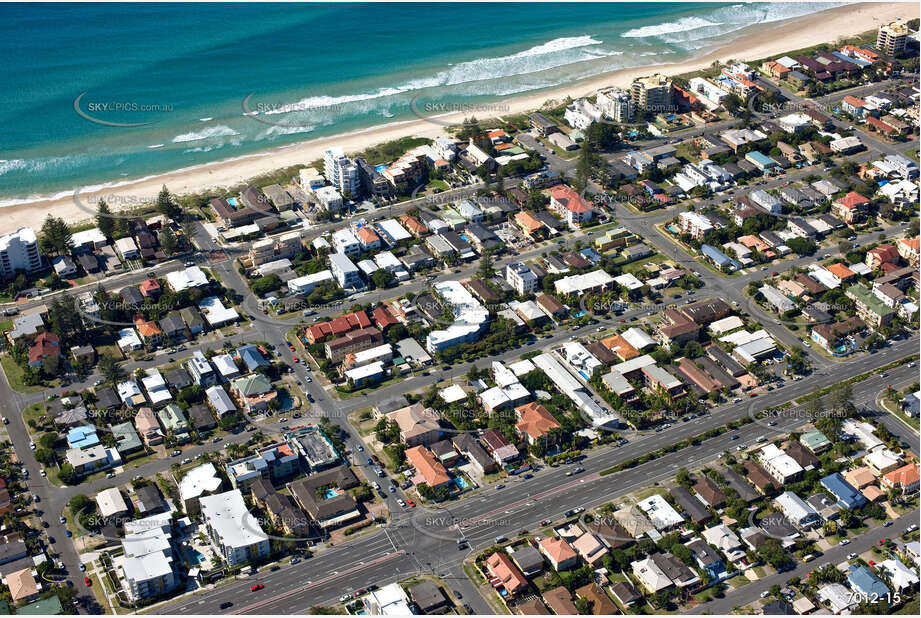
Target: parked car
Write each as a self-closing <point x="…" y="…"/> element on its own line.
<point x="256" y="587"/>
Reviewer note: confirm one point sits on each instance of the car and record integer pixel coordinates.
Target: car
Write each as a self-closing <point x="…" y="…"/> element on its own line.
<point x="765" y="593"/>
<point x="274" y="568"/>
<point x="176" y="453"/>
<point x="579" y="469"/>
<point x="911" y="528"/>
<point x="411" y="504"/>
<point x="308" y="379"/>
<point x="82" y="567"/>
<point x="528" y="476"/>
<point x="62" y="520"/>
<point x="569" y="473"/>
<point x="544" y="522"/>
<point x="772" y="423"/>
<point x="68" y="533"/>
<point x="851" y="556"/>
<point x="294" y="358"/>
<point x="881" y="542"/>
<point x="216" y="439"/>
<point x="256" y="587"/>
<point x="887" y="524"/>
<point x="45" y="524"/>
<point x="6" y="421"/>
<point x="226" y="604"/>
<point x="734" y="437"/>
<point x="31" y="445"/>
<point x="500" y="486"/>
<point x="457" y="594"/>
<point x="43" y="473"/>
<point x="87" y="582"/>
<point x="110" y="475"/>
<point x="294" y="560"/>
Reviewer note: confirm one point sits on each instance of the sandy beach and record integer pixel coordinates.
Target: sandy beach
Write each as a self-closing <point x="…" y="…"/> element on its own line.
<point x="752" y="44"/>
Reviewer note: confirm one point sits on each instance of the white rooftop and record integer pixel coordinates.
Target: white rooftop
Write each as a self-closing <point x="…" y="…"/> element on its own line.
<point x="228" y="517"/>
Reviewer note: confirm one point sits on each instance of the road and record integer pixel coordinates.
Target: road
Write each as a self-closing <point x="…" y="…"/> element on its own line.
<point x="424" y="540"/>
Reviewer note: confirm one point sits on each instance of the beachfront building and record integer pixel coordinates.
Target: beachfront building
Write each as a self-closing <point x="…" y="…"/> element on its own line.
<point x="19" y="252"/>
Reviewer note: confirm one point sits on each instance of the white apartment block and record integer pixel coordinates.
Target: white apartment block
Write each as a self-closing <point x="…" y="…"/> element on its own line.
<point x="233" y="531"/>
<point x="341" y="172"/>
<point x="615" y="104"/>
<point x="345" y="241"/>
<point x="19" y="252"/>
<point x="520" y="277"/>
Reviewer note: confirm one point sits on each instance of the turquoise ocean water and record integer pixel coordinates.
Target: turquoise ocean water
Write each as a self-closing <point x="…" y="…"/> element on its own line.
<point x="202" y="82"/>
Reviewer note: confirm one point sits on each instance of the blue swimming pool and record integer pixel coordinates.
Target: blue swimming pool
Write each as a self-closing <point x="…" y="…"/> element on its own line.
<point x="330" y="493"/>
<point x="461" y="482"/>
<point x="232" y="201"/>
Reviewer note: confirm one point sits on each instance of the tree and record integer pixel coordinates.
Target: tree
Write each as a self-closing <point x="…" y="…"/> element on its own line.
<point x="166" y="205"/>
<point x="485" y="272"/>
<point x="104" y="220"/>
<point x="54" y="238"/>
<point x="67" y="474"/>
<point x="111" y="369"/>
<point x="382" y="278"/>
<point x="168" y="241"/>
<point x="49" y="440"/>
<point x="44" y="456"/>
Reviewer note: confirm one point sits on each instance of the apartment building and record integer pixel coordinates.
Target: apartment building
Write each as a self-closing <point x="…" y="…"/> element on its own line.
<point x="652" y="94"/>
<point x="223" y="516"/>
<point x="347" y="275"/>
<point x="520" y="277"/>
<point x="892" y="38"/>
<point x="19" y="252"/>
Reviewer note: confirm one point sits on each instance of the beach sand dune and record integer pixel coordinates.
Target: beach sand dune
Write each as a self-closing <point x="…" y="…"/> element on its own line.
<point x="753" y="43"/>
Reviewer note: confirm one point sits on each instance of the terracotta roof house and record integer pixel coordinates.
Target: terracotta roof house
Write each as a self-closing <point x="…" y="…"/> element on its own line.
<point x="428" y="469"/>
<point x="905" y="478"/>
<point x="534" y="421"/>
<point x="44" y="347"/>
<point x="559" y="553"/>
<point x="621" y="347"/>
<point x="505" y="575"/>
<point x="22" y="585"/>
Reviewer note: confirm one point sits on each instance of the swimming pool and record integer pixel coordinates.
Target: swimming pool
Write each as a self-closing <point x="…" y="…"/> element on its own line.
<point x="330" y="493"/>
<point x="232" y="201"/>
<point x="461" y="482"/>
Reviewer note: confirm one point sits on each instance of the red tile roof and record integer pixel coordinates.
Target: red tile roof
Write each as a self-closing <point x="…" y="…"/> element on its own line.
<point x="853" y="200"/>
<point x="44" y="346"/>
<point x="568" y="197"/>
<point x="383" y="318"/>
<point x="424" y="461"/>
<point x="534" y="420"/>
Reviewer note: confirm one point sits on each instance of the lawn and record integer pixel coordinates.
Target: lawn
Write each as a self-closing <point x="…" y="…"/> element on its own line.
<point x="14" y="374"/>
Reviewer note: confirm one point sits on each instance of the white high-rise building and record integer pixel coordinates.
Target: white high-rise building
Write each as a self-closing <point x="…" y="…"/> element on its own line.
<point x="19" y="252"/>
<point x="341" y="172"/>
<point x="615" y="104"/>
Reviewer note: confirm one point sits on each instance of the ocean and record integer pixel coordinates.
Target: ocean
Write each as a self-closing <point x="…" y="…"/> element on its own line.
<point x="96" y="94"/>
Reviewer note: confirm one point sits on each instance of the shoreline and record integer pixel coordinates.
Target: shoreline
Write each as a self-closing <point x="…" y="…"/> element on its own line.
<point x="752" y="43"/>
